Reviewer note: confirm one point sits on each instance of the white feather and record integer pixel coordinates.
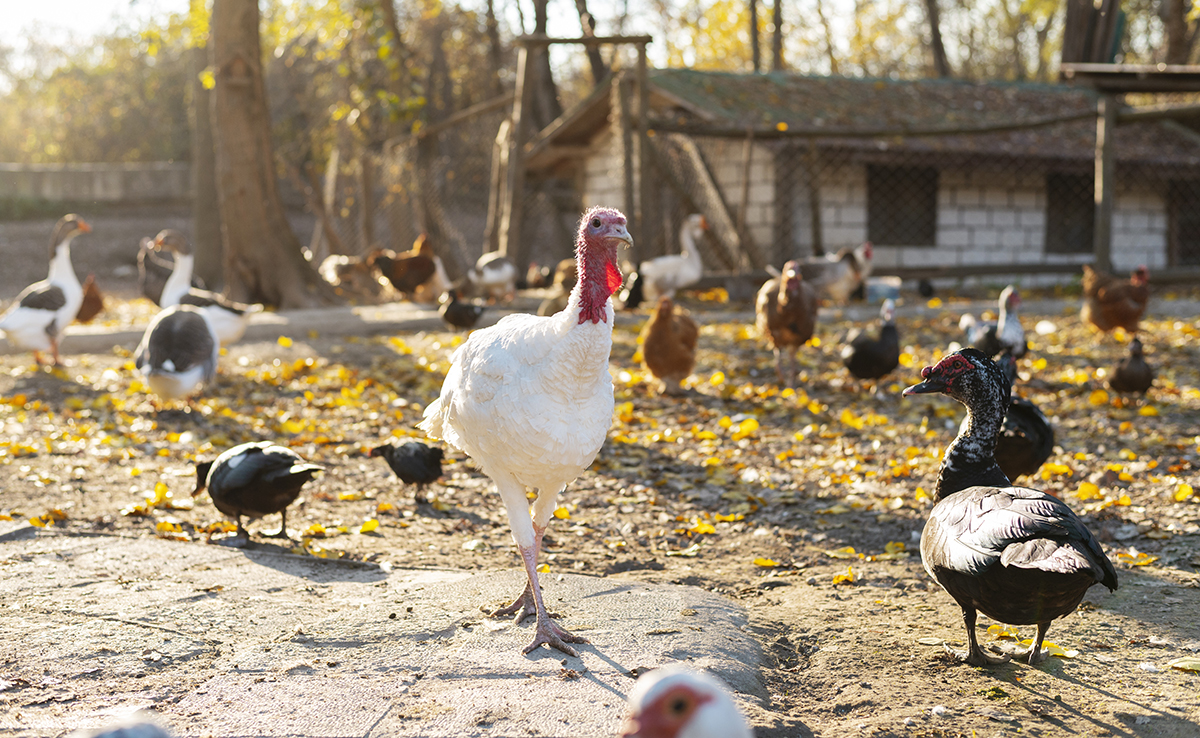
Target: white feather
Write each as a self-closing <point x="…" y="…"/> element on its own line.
<point x="26" y="328"/>
<point x="717" y="717"/>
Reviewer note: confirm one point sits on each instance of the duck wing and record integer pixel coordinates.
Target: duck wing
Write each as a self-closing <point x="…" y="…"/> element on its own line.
<point x="42" y="296"/>
<point x="970" y="531"/>
<point x="1026" y="439"/>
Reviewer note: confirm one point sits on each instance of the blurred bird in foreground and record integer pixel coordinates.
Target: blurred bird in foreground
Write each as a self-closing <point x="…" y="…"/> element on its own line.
<point x="679" y="702"/>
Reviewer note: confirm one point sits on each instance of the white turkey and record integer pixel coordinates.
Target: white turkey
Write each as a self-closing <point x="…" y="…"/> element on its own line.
<point x="665" y="275"/>
<point x="530" y="399"/>
<point x="678" y="702"/>
<point x="43" y="310"/>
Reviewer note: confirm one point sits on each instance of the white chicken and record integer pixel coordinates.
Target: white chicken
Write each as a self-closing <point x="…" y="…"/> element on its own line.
<point x="530" y="399"/>
<point x="493" y="276"/>
<point x="665" y="275"/>
<point x="837" y="276"/>
<point x="677" y="702"/>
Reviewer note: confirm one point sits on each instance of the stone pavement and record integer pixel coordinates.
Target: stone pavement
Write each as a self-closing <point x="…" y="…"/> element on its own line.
<point x="222" y="642"/>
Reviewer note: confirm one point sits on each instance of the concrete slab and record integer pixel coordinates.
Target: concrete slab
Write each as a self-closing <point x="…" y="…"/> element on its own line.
<point x="224" y="642"/>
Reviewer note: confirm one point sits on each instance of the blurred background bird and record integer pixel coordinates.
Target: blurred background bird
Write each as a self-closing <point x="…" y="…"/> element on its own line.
<point x="1110" y="302"/>
<point x="1003" y="334"/>
<point x="1132" y="373"/>
<point x="665" y="275"/>
<point x="178" y="353"/>
<point x="837" y="276"/>
<point x="872" y="357"/>
<point x="414" y="463"/>
<point x="669" y="345"/>
<point x="786" y="316"/>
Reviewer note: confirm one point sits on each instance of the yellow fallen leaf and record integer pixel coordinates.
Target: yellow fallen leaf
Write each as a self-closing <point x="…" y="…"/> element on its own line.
<point x="316" y="530"/>
<point x="1136" y="558"/>
<point x="543" y="568"/>
<point x="1088" y="491"/>
<point x="166" y="526"/>
<point x="384" y="507"/>
<point x="1186" y="663"/>
<point x="765" y="562"/>
<point x="730" y="518"/>
<point x="846" y="552"/>
<point x="441" y="505"/>
<point x="996" y="630"/>
<point x="350" y="496"/>
<point x="284" y="341"/>
<point x="702" y="527"/>
<point x="718" y="378"/>
<point x="562" y="513"/>
<point x="745" y="429"/>
<point x="838" y="509"/>
<point x="1098" y="397"/>
<point x="934" y="303"/>
<point x="1053" y="649"/>
<point x="1148" y="411"/>
<point x="847" y="577"/>
<point x="369" y="525"/>
<point x="1183" y="492"/>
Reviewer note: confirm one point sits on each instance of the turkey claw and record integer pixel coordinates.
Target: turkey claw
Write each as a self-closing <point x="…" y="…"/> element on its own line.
<point x="551" y="635"/>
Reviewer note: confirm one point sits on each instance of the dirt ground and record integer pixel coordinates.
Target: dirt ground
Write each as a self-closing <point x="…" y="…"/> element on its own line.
<point x="806" y="506"/>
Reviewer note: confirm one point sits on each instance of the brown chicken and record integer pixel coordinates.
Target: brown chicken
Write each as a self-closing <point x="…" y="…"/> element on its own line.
<point x="1109" y="302"/>
<point x="409" y="270"/>
<point x="93" y="301"/>
<point x="786" y="316"/>
<point x="669" y="346"/>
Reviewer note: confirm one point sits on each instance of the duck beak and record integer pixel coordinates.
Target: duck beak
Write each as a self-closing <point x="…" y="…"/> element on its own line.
<point x="928" y="387"/>
<point x="83" y="226"/>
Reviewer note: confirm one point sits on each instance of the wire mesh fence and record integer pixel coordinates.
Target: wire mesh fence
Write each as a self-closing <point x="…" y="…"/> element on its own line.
<point x="1018" y="197"/>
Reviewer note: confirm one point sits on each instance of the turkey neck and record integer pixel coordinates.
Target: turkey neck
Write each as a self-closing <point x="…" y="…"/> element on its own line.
<point x="595" y="268"/>
<point x="970" y="460"/>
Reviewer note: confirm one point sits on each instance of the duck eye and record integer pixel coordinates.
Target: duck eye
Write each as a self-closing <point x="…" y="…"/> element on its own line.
<point x="679" y="705"/>
<point x="596" y="223"/>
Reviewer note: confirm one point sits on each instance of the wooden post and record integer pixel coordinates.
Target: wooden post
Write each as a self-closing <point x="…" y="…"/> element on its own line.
<point x="623" y="115"/>
<point x="744" y="205"/>
<point x="512" y="209"/>
<point x="814" y="199"/>
<point x="642" y="209"/>
<point x="1106" y="122"/>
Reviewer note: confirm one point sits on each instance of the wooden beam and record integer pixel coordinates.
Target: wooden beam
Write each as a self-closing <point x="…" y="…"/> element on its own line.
<point x="1106" y="155"/>
<point x="620" y="107"/>
<point x="641" y="210"/>
<point x="540" y="40"/>
<point x="1135" y="77"/>
<point x="514" y="202"/>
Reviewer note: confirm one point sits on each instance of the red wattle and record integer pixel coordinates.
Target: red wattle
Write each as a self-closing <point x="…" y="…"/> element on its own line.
<point x="613" y="277"/>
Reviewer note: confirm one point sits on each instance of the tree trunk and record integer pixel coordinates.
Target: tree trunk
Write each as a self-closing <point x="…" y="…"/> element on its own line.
<point x="1179" y="36"/>
<point x="495" y="49"/>
<point x="588" y="22"/>
<point x="263" y="259"/>
<point x="941" y="66"/>
<point x="546" y="106"/>
<point x="755" y="54"/>
<point x="777" y="37"/>
<point x="206" y="210"/>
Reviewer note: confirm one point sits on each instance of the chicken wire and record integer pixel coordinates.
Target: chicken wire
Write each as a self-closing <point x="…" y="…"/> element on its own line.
<point x="1018" y="197"/>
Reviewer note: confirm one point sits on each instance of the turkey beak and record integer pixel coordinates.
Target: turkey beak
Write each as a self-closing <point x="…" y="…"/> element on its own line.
<point x="621" y="233"/>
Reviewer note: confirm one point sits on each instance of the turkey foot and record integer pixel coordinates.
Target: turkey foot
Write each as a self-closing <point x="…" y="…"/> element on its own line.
<point x="524" y="603"/>
<point x="550" y="634"/>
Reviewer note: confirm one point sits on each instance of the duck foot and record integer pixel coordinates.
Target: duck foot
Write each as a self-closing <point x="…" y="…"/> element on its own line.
<point x="977" y="656"/>
<point x="241" y="540"/>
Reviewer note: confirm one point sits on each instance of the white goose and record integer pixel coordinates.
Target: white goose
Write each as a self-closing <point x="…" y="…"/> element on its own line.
<point x="37" y="318"/>
<point x="228" y="318"/>
<point x="178" y="352"/>
<point x="664" y="275"/>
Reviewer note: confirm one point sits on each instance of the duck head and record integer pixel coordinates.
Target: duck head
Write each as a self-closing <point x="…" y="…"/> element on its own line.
<point x="968" y="376"/>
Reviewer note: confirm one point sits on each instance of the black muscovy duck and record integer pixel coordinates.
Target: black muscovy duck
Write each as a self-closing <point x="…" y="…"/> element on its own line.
<point x="1016" y="554"/>
<point x="1132" y="374"/>
<point x="414" y="463"/>
<point x="1026" y="438"/>
<point x="253" y="480"/>
<point x="1003" y="334"/>
<point x="870" y="357"/>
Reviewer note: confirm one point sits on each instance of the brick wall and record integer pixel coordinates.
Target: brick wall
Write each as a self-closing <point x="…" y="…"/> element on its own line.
<point x="108" y="183"/>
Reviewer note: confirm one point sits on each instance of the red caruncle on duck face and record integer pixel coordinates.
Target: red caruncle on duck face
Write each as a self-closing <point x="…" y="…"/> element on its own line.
<point x="949" y="369"/>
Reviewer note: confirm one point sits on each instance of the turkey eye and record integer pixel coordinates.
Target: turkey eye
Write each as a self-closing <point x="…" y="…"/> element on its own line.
<point x="679" y="706"/>
<point x="596" y="223"/>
